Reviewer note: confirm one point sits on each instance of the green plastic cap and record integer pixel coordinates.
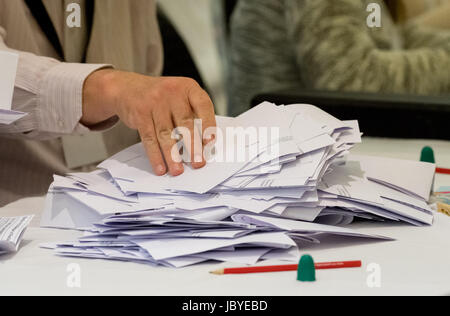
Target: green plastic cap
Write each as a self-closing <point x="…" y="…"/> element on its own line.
<point x="427" y="155"/>
<point x="306" y="269"/>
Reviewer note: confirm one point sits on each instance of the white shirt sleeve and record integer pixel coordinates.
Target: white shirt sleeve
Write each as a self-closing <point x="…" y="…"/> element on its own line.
<point x="51" y="92"/>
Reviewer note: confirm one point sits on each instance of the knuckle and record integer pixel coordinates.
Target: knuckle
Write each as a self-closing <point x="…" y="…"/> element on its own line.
<point x="154" y="96"/>
<point x="179" y="83"/>
<point x="191" y="82"/>
<point x="149" y="139"/>
<point x="164" y="135"/>
<point x="141" y="111"/>
<point x="170" y="84"/>
<point x="204" y="100"/>
<point x="187" y="122"/>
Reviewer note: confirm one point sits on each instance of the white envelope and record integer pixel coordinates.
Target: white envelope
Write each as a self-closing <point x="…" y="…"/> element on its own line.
<point x="61" y="211"/>
<point x="414" y="177"/>
<point x="8" y="66"/>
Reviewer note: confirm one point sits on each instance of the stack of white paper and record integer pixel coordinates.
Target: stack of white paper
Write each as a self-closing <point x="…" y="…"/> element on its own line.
<point x="11" y="232"/>
<point x="8" y="65"/>
<point x="381" y="189"/>
<point x="293" y="185"/>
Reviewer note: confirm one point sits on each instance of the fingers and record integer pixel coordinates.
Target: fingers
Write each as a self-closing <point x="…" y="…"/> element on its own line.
<point x="174" y="102"/>
<point x="158" y="145"/>
<point x="162" y="120"/>
<point x="185" y="118"/>
<point x="151" y="145"/>
<point x="203" y="108"/>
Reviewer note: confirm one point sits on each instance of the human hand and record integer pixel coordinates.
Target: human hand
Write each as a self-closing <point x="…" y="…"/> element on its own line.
<point x="154" y="106"/>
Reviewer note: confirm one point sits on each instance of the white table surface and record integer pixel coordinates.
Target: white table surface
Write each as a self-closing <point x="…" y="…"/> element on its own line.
<point x="417" y="263"/>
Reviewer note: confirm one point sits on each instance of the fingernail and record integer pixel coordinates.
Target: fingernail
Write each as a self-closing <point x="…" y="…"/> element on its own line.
<point x="178" y="168"/>
<point x="198" y="158"/>
<point x="161" y="170"/>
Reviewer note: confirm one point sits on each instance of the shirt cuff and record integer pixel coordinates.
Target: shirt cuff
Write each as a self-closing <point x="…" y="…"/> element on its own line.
<point x="60" y="99"/>
<point x="100" y="127"/>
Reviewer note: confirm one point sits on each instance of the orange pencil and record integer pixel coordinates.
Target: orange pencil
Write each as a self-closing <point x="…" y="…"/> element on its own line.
<point x="284" y="268"/>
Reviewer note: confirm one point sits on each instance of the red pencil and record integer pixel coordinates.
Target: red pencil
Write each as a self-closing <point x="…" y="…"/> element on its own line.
<point x="292" y="267"/>
<point x="442" y="171"/>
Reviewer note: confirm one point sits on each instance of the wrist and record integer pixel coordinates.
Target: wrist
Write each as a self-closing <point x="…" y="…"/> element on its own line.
<point x="99" y="95"/>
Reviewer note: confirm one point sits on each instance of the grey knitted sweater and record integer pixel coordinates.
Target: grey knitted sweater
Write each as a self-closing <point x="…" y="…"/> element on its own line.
<point x="327" y="45"/>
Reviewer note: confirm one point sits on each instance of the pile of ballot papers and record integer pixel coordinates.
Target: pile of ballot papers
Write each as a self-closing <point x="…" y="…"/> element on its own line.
<point x="11" y="232"/>
<point x="288" y="189"/>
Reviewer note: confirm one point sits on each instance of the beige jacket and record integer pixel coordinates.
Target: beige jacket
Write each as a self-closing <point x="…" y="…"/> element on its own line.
<point x="125" y="34"/>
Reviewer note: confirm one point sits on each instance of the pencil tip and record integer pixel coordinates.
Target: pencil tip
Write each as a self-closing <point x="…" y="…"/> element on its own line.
<point x="217" y="272"/>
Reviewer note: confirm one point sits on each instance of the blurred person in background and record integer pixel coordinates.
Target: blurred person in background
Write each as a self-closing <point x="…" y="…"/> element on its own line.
<point x="328" y="45"/>
<point x="434" y="13"/>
